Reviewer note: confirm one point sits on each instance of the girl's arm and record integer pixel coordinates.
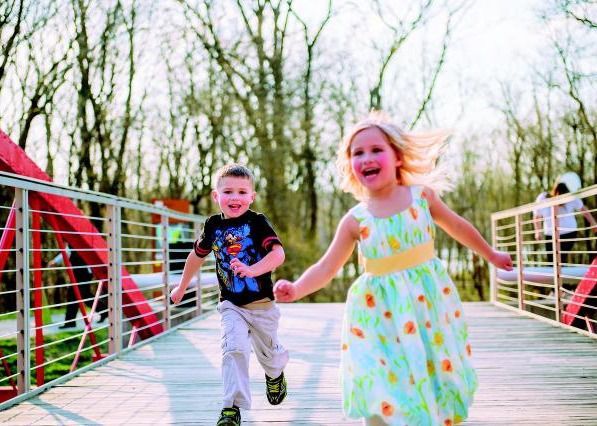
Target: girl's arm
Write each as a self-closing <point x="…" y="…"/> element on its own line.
<point x="462" y="231"/>
<point x="321" y="273"/>
<point x="587" y="214"/>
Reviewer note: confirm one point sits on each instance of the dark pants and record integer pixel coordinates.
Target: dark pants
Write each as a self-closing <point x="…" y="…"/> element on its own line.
<point x="83" y="276"/>
<point x="564" y="246"/>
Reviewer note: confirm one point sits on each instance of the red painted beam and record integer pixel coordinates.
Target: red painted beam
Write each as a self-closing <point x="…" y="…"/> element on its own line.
<point x="586" y="287"/>
<point x="84" y="235"/>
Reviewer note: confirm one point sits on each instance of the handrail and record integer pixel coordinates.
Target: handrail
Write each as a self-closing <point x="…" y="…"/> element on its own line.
<point x="552" y="279"/>
<point x="32" y="184"/>
<point x="553" y="201"/>
<point x="47" y="215"/>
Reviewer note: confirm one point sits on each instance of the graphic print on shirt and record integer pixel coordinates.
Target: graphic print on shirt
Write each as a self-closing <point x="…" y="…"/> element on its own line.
<point x="230" y="243"/>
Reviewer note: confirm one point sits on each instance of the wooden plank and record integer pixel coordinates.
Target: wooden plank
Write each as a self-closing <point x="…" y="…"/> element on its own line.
<point x="529" y="373"/>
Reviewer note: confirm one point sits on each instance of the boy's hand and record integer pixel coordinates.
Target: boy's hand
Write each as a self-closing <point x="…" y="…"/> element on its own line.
<point x="241" y="269"/>
<point x="176" y="294"/>
<point x="501" y="260"/>
<point x="284" y="291"/>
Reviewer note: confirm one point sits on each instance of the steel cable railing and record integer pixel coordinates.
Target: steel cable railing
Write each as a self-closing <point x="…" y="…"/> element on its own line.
<point x="85" y="276"/>
<point x="555" y="274"/>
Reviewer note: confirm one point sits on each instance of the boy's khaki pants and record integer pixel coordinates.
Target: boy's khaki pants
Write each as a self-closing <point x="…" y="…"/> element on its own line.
<point x="242" y="328"/>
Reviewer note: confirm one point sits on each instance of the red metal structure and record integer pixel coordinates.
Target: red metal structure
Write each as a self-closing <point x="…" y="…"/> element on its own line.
<point x="62" y="214"/>
<point x="586" y="287"/>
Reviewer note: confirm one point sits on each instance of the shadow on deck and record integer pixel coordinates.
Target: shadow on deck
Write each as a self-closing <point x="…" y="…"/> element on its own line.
<point x="529" y="372"/>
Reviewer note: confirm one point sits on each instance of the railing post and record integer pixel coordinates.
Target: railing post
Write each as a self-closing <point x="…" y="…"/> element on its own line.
<point x="519" y="261"/>
<point x="557" y="263"/>
<point x="492" y="269"/>
<point x="197" y="227"/>
<point x="165" y="270"/>
<point x="114" y="279"/>
<point x="21" y="207"/>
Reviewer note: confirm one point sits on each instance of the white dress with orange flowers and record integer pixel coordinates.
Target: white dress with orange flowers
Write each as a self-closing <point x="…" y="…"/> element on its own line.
<point x="405" y="350"/>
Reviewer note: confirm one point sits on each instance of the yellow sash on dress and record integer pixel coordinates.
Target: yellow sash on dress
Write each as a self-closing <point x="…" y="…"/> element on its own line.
<point x="400" y="261"/>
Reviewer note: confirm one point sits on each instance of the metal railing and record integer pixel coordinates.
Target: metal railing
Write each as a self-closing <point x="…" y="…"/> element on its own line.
<point x="85" y="276"/>
<point x="555" y="274"/>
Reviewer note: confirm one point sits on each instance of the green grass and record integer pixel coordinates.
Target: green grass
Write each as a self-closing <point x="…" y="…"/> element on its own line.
<point x="59" y="368"/>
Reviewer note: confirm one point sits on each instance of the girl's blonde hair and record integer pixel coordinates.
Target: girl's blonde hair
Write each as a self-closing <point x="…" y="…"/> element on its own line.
<point x="419" y="153"/>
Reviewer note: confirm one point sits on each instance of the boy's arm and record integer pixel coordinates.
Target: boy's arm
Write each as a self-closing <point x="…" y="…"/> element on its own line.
<point x="464" y="232"/>
<point x="269" y="262"/>
<point x="191" y="266"/>
<point x="321" y="273"/>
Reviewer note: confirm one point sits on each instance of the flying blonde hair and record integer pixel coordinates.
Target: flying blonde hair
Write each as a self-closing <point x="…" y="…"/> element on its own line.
<point x="419" y="151"/>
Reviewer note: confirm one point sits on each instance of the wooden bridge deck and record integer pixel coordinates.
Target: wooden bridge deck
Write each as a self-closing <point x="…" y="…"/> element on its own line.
<point x="530" y="373"/>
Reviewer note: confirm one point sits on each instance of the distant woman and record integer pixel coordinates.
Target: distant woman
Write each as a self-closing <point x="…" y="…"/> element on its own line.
<point x="566" y="221"/>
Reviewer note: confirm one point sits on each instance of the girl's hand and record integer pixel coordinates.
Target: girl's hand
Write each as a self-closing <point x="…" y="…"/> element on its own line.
<point x="241" y="269"/>
<point x="501" y="260"/>
<point x="285" y="291"/>
<point x="176" y="295"/>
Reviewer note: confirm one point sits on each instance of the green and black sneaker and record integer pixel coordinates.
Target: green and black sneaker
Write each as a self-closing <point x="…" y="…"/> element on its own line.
<point x="230" y="416"/>
<point x="275" y="389"/>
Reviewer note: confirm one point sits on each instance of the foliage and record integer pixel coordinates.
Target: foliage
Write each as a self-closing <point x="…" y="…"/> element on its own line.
<point x="147" y="100"/>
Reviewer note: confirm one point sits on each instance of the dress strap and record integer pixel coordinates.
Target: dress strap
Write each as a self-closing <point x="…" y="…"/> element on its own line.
<point x="359" y="212"/>
<point x="417" y="194"/>
<point x="416" y="191"/>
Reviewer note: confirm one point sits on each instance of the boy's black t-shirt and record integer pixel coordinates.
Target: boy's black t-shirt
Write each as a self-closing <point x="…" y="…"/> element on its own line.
<point x="248" y="238"/>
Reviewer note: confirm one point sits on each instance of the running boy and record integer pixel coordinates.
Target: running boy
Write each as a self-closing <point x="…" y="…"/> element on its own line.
<point x="246" y="249"/>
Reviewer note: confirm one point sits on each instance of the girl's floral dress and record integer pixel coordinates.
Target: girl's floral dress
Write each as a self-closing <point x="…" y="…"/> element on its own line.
<point x="405" y="350"/>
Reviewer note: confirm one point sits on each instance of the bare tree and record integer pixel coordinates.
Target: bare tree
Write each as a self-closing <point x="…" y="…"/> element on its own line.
<point x="401" y="31"/>
<point x="12" y="16"/>
<point x="579" y="10"/>
<point x="307" y="157"/>
<point x="106" y="73"/>
<point x="253" y="63"/>
<point x="40" y="83"/>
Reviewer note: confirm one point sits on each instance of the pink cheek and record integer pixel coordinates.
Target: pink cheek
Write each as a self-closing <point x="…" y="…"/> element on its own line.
<point x="355" y="165"/>
<point x="383" y="160"/>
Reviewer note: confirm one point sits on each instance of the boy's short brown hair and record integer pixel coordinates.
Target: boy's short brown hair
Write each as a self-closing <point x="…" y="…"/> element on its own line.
<point x="234" y="170"/>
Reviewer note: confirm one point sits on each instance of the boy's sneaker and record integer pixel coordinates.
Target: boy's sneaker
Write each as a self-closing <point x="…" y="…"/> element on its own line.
<point x="230" y="416"/>
<point x="275" y="389"/>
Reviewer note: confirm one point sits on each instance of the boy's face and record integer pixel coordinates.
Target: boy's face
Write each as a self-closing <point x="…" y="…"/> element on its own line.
<point x="234" y="195"/>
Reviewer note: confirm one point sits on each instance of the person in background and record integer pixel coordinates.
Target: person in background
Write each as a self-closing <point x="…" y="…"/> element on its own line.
<point x="566" y="222"/>
<point x="83" y="276"/>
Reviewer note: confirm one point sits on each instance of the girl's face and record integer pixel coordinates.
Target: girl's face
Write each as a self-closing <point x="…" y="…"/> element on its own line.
<point x="373" y="160"/>
<point x="234" y="195"/>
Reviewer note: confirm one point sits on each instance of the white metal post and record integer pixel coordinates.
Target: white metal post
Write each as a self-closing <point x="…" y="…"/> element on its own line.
<point x="492" y="269"/>
<point x="557" y="262"/>
<point x="21" y="206"/>
<point x="114" y="278"/>
<point x="165" y="270"/>
<point x="519" y="261"/>
<point x="198" y="227"/>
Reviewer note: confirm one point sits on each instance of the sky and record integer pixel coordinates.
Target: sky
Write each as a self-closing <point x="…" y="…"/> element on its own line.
<point x="496" y="40"/>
